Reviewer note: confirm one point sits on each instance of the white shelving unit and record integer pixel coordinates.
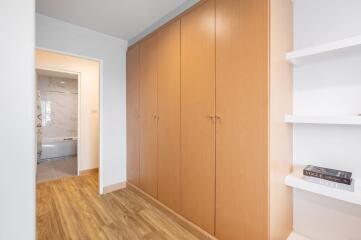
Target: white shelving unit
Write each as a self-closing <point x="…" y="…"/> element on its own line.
<point x="297" y="181"/>
<point x="335" y="120"/>
<point x="326" y="129"/>
<point x="296" y="236"/>
<point x="324" y="49"/>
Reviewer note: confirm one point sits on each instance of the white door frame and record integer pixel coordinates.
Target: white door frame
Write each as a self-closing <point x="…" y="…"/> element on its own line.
<point x="101" y="77"/>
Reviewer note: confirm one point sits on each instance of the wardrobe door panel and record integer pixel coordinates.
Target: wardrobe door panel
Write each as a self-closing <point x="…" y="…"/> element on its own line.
<point x="242" y="130"/>
<point x="197" y="111"/>
<point x="133" y="115"/>
<point x="169" y="115"/>
<point x="148" y="115"/>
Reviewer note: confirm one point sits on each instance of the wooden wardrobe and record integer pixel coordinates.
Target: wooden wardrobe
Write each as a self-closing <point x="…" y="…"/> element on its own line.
<point x="133" y="115"/>
<point x="197" y="116"/>
<point x="169" y="148"/>
<point x="201" y="116"/>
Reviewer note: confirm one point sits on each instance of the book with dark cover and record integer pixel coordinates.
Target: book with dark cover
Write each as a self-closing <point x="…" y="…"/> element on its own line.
<point x="328" y="174"/>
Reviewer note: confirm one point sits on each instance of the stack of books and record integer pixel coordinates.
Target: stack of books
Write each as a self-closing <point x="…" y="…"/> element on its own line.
<point x="333" y="175"/>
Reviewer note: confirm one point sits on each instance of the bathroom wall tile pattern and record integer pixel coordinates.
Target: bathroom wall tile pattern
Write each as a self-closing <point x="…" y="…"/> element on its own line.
<point x="56" y="84"/>
<point x="59" y="107"/>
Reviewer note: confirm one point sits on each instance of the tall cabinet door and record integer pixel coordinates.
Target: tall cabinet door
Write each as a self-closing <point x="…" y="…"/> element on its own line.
<point x="148" y="115"/>
<point x="197" y="111"/>
<point x="133" y="115"/>
<point x="242" y="130"/>
<point x="169" y="115"/>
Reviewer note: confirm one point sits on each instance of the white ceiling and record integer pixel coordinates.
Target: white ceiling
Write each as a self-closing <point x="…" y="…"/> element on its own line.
<point x="120" y="18"/>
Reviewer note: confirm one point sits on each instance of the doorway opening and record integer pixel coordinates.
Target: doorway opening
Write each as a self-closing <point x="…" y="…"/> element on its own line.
<point x="57" y="100"/>
<point x="68" y="121"/>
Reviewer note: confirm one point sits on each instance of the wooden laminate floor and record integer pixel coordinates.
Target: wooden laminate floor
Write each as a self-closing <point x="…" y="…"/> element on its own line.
<point x="71" y="208"/>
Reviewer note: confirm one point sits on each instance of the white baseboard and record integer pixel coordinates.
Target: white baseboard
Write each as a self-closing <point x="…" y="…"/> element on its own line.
<point x="114" y="187"/>
<point x="296" y="236"/>
<point x="88" y="171"/>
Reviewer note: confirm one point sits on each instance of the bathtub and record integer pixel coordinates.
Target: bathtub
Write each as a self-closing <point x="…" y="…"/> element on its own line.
<point x="58" y="147"/>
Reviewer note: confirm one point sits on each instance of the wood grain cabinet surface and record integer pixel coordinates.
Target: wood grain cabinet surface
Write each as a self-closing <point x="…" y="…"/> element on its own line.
<point x="197" y="122"/>
<point x="200" y="117"/>
<point x="169" y="115"/>
<point x="242" y="130"/>
<point x="148" y="116"/>
<point x="133" y="132"/>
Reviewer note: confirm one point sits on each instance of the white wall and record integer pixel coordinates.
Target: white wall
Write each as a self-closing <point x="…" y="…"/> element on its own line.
<point x="60" y="36"/>
<point x="17" y="121"/>
<point x="327" y="86"/>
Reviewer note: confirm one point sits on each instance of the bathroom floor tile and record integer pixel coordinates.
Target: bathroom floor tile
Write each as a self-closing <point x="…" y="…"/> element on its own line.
<point x="56" y="169"/>
<point x="64" y="173"/>
<point x="44" y="178"/>
<point x="43" y="169"/>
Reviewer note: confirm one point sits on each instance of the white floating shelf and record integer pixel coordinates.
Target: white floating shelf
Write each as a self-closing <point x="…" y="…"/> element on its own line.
<point x="336" y="120"/>
<point x="297" y="181"/>
<point x="296" y="236"/>
<point x="300" y="55"/>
